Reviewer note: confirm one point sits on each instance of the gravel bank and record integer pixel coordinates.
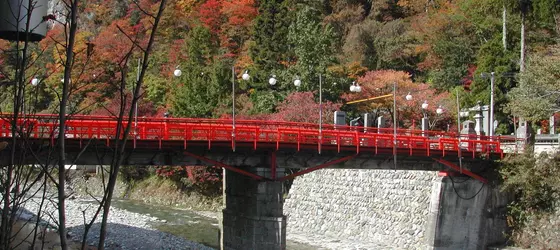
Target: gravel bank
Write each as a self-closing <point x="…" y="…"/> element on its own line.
<point x="126" y="230"/>
<point x="317" y="241"/>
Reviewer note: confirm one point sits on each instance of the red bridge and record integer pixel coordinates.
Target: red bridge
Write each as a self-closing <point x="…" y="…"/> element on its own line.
<point x="159" y="133"/>
<point x="256" y="153"/>
<point x="219" y="137"/>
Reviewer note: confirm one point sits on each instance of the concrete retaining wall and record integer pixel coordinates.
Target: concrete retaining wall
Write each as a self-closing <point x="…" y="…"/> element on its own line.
<point x="388" y="209"/>
<point x="384" y="207"/>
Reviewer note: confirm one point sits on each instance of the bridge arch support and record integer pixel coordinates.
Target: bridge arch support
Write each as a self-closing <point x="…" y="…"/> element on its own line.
<point x="253" y="215"/>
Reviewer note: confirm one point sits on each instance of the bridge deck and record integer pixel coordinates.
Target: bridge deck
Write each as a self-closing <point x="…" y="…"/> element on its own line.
<point x="182" y="133"/>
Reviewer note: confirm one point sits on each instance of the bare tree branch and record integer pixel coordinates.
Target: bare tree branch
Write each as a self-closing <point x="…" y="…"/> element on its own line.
<point x="135" y="2"/>
<point x="134" y="41"/>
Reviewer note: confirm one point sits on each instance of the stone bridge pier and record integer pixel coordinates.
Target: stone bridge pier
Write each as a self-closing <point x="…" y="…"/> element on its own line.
<point x="253" y="215"/>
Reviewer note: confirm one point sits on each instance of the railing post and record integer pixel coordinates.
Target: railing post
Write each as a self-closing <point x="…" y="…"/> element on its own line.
<point x="165" y="130"/>
<point x="185" y="137"/>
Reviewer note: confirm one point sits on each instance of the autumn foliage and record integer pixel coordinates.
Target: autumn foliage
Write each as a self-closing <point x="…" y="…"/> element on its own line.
<point x="302" y="107"/>
<point x="425" y="48"/>
<point x="201" y="178"/>
<point x="378" y="83"/>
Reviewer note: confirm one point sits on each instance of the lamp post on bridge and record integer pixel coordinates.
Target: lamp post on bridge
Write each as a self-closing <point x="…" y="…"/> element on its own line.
<point x="297" y="83"/>
<point x="491" y="116"/>
<point x="246" y="77"/>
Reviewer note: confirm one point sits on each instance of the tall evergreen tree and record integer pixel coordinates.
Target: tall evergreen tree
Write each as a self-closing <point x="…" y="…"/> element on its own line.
<point x="313" y="46"/>
<point x="203" y="80"/>
<point x="270" y="38"/>
<point x="542" y="13"/>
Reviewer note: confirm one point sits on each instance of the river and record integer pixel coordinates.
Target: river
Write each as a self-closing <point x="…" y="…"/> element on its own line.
<point x="188" y="224"/>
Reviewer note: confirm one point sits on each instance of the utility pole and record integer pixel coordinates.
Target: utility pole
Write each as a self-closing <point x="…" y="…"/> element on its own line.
<point x="504" y="27"/>
<point x="136" y="104"/>
<point x="459" y="132"/>
<point x="490" y="131"/>
<point x="320" y="113"/>
<point x="395" y="124"/>
<point x="491" y="125"/>
<point x="233" y="107"/>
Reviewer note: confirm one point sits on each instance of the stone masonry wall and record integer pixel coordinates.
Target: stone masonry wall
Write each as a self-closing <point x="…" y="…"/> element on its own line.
<point x="383" y="207"/>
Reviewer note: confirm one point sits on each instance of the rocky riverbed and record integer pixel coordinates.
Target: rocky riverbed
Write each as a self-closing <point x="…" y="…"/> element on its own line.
<point x="126" y="230"/>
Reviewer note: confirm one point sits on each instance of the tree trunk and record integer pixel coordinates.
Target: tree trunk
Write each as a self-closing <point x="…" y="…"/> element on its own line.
<point x="62" y="125"/>
<point x="121" y="143"/>
<point x="522" y="56"/>
<point x="9" y="207"/>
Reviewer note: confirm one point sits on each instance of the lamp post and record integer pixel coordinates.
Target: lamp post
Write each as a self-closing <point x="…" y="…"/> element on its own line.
<point x="459" y="133"/>
<point x="297" y="83"/>
<point x="245" y="77"/>
<point x="491" y="115"/>
<point x="395" y="124"/>
<point x="320" y="113"/>
<point x="425" y="120"/>
<point x="133" y="91"/>
<point x="34" y="82"/>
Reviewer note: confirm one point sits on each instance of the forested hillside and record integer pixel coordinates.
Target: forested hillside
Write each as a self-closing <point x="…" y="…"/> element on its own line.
<point x="432" y="49"/>
<point x="181" y="58"/>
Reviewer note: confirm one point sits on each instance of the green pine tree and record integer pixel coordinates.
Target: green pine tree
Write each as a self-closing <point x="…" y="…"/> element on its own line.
<point x="203" y="81"/>
<point x="270" y="39"/>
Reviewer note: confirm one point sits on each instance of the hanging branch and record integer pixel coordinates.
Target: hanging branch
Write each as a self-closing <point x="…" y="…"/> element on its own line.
<point x="121" y="134"/>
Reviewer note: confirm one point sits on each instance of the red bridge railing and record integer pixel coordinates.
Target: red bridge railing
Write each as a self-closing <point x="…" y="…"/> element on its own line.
<point x="342" y="138"/>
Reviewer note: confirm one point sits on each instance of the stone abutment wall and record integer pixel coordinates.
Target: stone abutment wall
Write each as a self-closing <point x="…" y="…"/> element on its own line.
<point x="383" y="207"/>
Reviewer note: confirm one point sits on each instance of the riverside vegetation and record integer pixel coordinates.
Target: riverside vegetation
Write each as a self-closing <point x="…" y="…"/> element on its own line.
<point x="534" y="214"/>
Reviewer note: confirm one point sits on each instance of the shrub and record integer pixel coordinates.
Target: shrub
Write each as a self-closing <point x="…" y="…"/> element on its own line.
<point x="535" y="181"/>
<point x="202" y="179"/>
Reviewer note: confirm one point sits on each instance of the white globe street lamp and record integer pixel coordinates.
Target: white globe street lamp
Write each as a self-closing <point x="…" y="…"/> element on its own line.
<point x="297" y="82"/>
<point x="355" y="87"/>
<point x="439" y="110"/>
<point x="409" y="97"/>
<point x="177" y="72"/>
<point x="272" y="80"/>
<point x="425" y="105"/>
<point x="246" y="76"/>
<point x="35" y="82"/>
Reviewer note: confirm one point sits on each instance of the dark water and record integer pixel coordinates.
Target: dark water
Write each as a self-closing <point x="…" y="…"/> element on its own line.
<point x="186" y="224"/>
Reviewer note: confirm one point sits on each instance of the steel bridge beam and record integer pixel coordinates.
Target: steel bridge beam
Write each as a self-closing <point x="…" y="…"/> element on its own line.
<point x="228" y="167"/>
<point x="311" y="169"/>
<point x="461" y="170"/>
